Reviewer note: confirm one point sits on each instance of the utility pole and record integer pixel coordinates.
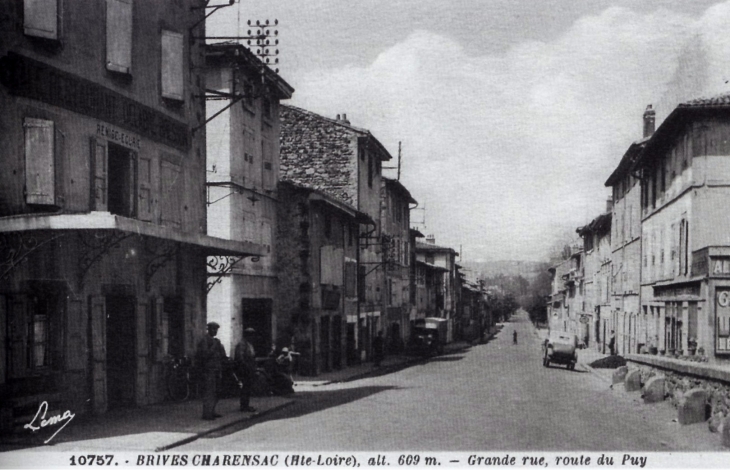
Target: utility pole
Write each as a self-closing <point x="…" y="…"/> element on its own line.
<point x="398" y="178"/>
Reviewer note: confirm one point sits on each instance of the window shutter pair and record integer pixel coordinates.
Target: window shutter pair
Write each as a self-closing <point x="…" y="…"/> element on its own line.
<point x="172" y="65"/>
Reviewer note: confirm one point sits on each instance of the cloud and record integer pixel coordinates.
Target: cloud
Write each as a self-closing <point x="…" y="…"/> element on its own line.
<point x="504" y="149"/>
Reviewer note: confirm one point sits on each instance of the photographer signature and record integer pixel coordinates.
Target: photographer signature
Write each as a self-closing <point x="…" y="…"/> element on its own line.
<point x="39" y="421"/>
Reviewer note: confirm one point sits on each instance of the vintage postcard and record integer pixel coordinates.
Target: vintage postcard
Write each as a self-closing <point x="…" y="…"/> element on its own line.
<point x="327" y="233"/>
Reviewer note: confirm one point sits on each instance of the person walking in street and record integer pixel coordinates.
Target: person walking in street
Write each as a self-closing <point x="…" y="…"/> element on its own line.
<point x="612" y="343"/>
<point x="378" y="349"/>
<point x="245" y="360"/>
<point x="514" y="337"/>
<point x="209" y="357"/>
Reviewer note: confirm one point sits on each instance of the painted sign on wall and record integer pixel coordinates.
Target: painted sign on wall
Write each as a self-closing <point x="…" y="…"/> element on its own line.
<point x="722" y="322"/>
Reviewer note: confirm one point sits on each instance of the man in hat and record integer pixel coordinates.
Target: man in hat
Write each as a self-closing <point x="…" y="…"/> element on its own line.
<point x="209" y="357"/>
<point x="245" y="357"/>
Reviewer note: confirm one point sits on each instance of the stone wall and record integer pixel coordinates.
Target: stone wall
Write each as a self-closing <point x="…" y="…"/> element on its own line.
<point x="682" y="376"/>
<point x="319" y="153"/>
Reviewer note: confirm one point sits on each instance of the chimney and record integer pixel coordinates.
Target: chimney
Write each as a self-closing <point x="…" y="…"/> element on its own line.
<point x="648" y="121"/>
<point x="338" y="117"/>
<point x="609" y="204"/>
<point x="344" y="119"/>
<point x="431" y="239"/>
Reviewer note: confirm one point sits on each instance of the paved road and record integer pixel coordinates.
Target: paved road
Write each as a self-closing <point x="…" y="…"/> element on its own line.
<point x="496" y="396"/>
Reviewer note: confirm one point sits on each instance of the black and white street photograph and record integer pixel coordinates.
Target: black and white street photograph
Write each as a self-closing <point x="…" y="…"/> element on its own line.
<point x="335" y="233"/>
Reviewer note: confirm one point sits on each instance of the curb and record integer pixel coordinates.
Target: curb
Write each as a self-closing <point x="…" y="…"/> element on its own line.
<point x="595" y="372"/>
<point x="197" y="436"/>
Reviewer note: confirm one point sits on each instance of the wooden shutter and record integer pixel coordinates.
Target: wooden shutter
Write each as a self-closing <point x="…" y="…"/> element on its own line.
<point x="119" y="35"/>
<point x="39" y="161"/>
<point x="3" y="338"/>
<point x="170" y="193"/>
<point x="146" y="176"/>
<point x="190" y="328"/>
<point x="171" y="70"/>
<point x="18" y="336"/>
<point x="142" y="332"/>
<point x="97" y="310"/>
<point x="99" y="165"/>
<point x="161" y="334"/>
<point x="76" y="347"/>
<point x="269" y="177"/>
<point x="40" y="18"/>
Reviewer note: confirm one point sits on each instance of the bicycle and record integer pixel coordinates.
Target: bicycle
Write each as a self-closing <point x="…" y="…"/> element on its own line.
<point x="179" y="378"/>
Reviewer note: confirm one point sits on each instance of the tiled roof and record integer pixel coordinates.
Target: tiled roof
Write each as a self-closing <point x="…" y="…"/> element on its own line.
<point x="719" y="100"/>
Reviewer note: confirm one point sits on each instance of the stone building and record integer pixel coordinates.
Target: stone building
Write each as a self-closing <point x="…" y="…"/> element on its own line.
<point x="102" y="202"/>
<point x="242" y="173"/>
<point x="685" y="263"/>
<point x="627" y="319"/>
<point x="344" y="162"/>
<point x="395" y="223"/>
<point x="317" y="291"/>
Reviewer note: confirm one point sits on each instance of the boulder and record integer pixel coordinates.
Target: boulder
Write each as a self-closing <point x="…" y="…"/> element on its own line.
<point x="632" y="382"/>
<point x="654" y="390"/>
<point x="619" y="375"/>
<point x="716" y="422"/>
<point x="692" y="408"/>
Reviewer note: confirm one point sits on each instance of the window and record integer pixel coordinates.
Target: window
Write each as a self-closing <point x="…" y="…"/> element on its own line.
<point x="40" y="152"/>
<point x="429" y="258"/>
<point x="171" y="70"/>
<point x="119" y="36"/>
<point x="266" y="108"/>
<point x="41" y="18"/>
<point x="268" y="176"/>
<point x="371" y="170"/>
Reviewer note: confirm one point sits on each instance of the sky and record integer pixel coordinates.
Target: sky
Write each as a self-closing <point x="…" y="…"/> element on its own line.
<point x="512" y="113"/>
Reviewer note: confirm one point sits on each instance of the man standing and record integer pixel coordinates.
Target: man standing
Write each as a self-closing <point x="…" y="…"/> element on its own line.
<point x="245" y="357"/>
<point x="209" y="357"/>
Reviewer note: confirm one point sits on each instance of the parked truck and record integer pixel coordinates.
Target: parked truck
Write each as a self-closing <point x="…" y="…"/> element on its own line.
<point x="429" y="336"/>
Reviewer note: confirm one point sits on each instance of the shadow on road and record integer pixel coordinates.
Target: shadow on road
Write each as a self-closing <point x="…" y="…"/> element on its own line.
<point x="446" y="358"/>
<point x="306" y="403"/>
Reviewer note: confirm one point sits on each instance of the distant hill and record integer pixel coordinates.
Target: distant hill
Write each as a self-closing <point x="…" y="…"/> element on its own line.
<point x="482" y="269"/>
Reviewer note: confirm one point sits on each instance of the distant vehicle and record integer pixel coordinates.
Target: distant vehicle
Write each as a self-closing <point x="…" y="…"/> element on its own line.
<point x="560" y="349"/>
<point x="428" y="336"/>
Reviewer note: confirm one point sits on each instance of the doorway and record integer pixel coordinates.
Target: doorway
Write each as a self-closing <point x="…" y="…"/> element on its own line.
<point x="121" y="362"/>
<point x="175" y="314"/>
<point x="256" y="314"/>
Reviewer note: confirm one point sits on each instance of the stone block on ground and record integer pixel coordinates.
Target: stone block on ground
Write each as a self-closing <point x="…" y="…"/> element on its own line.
<point x="654" y="390"/>
<point x="692" y="408"/>
<point x="726" y="432"/>
<point x="632" y="382"/>
<point x="619" y="375"/>
<point x="716" y="423"/>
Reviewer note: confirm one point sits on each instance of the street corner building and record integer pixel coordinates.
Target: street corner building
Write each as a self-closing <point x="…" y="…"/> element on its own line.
<point x="103" y="242"/>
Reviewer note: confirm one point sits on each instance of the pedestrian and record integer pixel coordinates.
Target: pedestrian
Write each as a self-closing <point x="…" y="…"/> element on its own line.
<point x="514" y="337"/>
<point x="612" y="343"/>
<point x="209" y="357"/>
<point x="245" y="362"/>
<point x="378" y="349"/>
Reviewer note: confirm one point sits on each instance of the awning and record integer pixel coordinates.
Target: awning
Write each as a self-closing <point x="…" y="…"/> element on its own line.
<point x="211" y="246"/>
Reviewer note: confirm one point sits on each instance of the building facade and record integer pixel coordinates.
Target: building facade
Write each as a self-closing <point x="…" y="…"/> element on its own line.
<point x="344" y="162"/>
<point x="242" y="173"/>
<point x="397" y="247"/>
<point x="317" y="274"/>
<point x="102" y="202"/>
<point x="440" y="263"/>
<point x="685" y="181"/>
<point x="594" y="320"/>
